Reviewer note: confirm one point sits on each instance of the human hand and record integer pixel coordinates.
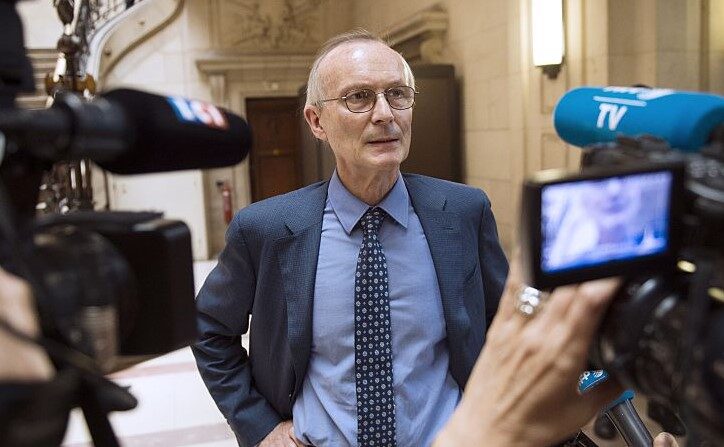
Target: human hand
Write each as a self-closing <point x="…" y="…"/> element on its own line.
<point x="523" y="390"/>
<point x="665" y="440"/>
<point x="20" y="360"/>
<point x="281" y="436"/>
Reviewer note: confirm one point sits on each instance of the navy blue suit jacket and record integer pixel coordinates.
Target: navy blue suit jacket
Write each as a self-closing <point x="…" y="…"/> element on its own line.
<point x="268" y="269"/>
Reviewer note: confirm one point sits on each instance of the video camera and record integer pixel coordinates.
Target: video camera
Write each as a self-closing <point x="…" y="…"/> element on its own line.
<point x="108" y="285"/>
<point x="654" y="216"/>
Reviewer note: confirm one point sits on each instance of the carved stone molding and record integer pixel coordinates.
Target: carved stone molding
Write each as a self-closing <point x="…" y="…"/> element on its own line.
<point x="264" y="72"/>
<point x="420" y="37"/>
<point x="253" y="26"/>
<point x="219" y="96"/>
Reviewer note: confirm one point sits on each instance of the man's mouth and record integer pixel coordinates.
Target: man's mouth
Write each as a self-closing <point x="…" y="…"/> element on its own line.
<point x="383" y="140"/>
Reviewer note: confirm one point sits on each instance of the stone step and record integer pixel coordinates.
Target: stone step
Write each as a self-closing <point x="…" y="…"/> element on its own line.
<point x="43" y="61"/>
<point x="31" y="101"/>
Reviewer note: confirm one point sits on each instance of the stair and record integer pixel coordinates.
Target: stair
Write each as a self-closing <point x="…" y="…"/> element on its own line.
<point x="43" y="61"/>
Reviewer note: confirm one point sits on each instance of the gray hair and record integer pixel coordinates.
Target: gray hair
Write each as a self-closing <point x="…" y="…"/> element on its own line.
<point x="315" y="89"/>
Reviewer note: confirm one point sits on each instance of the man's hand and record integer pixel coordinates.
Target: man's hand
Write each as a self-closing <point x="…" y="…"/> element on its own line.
<point x="281" y="436"/>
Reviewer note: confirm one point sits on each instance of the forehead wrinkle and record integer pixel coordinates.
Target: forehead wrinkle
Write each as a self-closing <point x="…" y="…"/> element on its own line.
<point x="356" y="55"/>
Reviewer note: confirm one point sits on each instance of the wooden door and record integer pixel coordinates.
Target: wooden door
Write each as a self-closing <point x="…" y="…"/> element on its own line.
<point x="275" y="160"/>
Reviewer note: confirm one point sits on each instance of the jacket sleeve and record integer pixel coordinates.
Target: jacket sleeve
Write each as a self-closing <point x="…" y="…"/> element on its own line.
<point x="493" y="264"/>
<point x="224" y="305"/>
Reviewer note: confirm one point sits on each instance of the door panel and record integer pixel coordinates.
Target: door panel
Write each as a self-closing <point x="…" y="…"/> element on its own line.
<point x="275" y="161"/>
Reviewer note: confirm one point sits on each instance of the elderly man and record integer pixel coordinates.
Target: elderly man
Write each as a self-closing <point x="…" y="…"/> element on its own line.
<point x="371" y="293"/>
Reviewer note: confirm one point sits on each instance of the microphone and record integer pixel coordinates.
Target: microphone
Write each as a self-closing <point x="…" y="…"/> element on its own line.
<point x="589" y="115"/>
<point x="625" y="418"/>
<point x="131" y="132"/>
<point x="620" y="412"/>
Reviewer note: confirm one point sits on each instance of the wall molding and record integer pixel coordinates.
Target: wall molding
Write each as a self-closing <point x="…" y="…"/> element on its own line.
<point x="421" y="36"/>
<point x="251" y="66"/>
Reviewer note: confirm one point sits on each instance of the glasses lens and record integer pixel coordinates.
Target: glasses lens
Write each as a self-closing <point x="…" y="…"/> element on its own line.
<point x="401" y="97"/>
<point x="360" y="100"/>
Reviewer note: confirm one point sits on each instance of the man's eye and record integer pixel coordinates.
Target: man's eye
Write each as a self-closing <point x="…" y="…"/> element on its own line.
<point x="359" y="96"/>
<point x="395" y="93"/>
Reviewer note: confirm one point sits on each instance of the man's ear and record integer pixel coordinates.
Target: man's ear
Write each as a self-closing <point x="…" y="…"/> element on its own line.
<point x="312" y="114"/>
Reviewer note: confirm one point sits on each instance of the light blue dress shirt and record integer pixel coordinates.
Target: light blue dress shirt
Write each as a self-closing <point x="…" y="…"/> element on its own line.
<point x="325" y="411"/>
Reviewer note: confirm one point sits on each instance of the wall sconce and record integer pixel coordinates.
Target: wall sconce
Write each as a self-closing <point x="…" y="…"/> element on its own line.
<point x="547" y="35"/>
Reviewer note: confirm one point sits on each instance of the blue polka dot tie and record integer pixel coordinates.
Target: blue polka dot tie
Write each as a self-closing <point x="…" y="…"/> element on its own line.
<point x="373" y="339"/>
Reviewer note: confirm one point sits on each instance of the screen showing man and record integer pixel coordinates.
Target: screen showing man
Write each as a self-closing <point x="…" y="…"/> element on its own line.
<point x="593" y="222"/>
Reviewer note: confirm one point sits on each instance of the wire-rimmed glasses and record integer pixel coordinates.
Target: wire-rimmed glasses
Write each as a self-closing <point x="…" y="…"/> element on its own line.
<point x="360" y="101"/>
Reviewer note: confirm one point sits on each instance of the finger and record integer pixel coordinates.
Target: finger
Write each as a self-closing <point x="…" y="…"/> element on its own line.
<point x="16" y="304"/>
<point x="665" y="440"/>
<point x="592" y="300"/>
<point x="555" y="308"/>
<point x="292" y="436"/>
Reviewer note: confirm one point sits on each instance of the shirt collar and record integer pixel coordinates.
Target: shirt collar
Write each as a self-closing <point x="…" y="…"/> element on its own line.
<point x="349" y="209"/>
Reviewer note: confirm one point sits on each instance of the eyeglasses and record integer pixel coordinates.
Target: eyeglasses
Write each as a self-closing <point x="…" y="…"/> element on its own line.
<point x="360" y="101"/>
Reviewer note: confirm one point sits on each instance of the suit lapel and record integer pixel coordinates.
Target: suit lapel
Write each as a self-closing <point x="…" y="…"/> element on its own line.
<point x="443" y="234"/>
<point x="297" y="257"/>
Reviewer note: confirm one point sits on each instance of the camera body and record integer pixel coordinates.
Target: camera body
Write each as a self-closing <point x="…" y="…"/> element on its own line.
<point x="117" y="286"/>
<point x="655" y="217"/>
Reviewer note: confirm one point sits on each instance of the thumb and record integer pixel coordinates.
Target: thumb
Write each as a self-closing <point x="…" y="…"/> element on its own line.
<point x="665" y="440"/>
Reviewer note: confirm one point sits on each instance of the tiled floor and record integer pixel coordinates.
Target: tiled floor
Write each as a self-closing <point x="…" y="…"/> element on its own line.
<point x="175" y="410"/>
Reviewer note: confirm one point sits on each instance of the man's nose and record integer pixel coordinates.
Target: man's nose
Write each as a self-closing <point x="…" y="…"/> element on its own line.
<point x="382" y="112"/>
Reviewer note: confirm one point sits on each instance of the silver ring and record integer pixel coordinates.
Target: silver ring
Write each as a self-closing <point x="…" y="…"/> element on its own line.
<point x="529" y="300"/>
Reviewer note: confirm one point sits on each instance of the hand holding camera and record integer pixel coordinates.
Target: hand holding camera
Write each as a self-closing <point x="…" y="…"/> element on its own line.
<point x="20" y="360"/>
<point x="523" y="391"/>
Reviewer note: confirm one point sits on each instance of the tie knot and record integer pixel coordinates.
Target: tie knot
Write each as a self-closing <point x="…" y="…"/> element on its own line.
<point x="372" y="220"/>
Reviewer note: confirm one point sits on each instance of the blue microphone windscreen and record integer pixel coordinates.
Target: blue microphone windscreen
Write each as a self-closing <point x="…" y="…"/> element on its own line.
<point x="626" y="395"/>
<point x="589" y="115"/>
<point x="589" y="379"/>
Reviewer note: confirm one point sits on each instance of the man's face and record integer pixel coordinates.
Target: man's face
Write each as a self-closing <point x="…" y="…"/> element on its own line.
<point x="363" y="143"/>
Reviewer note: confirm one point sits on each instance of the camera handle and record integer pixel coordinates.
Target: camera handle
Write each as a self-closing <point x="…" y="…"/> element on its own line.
<point x="100" y="396"/>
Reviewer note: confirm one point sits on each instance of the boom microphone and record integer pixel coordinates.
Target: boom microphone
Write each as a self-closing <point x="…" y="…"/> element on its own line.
<point x="131" y="132"/>
<point x="589" y="115"/>
<point x="175" y="133"/>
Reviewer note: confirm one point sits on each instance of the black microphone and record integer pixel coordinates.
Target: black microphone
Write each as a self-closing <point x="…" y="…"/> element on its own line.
<point x="627" y="421"/>
<point x="174" y="133"/>
<point x="131" y="132"/>
<point x="620" y="412"/>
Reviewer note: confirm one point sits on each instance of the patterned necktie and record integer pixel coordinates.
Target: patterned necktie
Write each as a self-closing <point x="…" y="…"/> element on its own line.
<point x="373" y="339"/>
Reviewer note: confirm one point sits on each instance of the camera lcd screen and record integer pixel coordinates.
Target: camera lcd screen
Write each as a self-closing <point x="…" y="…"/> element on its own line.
<point x="587" y="223"/>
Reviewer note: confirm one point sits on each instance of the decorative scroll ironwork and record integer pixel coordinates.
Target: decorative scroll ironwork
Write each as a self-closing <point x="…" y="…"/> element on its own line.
<point x="67" y="186"/>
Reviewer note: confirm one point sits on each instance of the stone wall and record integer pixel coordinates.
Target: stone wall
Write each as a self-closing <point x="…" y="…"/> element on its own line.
<point x="228" y="50"/>
<point x="507" y="103"/>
